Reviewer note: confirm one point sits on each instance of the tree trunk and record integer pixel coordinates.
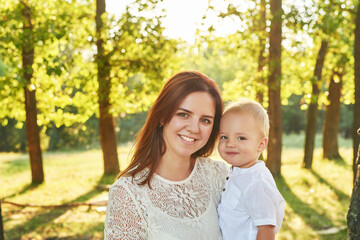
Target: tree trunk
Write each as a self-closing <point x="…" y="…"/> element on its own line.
<point x="353" y="216"/>
<point x="1" y="225"/>
<point x="106" y="121"/>
<point x="32" y="128"/>
<point x="274" y="81"/>
<point x="313" y="107"/>
<point x="261" y="58"/>
<point x="4" y="136"/>
<point x="356" y="121"/>
<point x="331" y="122"/>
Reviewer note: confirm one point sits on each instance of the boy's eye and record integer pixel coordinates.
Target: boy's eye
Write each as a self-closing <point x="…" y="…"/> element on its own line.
<point x="223" y="137"/>
<point x="241" y="138"/>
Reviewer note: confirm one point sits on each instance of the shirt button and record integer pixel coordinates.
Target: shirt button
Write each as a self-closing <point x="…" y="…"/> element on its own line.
<point x="227" y="178"/>
<point x="223" y="189"/>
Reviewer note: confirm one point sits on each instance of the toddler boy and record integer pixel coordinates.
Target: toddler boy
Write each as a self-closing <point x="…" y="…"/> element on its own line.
<point x="251" y="205"/>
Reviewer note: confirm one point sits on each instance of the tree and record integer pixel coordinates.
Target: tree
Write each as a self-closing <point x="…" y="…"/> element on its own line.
<point x="274" y="85"/>
<point x="261" y="58"/>
<point x="106" y="120"/>
<point x="356" y="117"/>
<point x="1" y="225"/>
<point x="332" y="116"/>
<point x="353" y="216"/>
<point x="133" y="57"/>
<point x="36" y="34"/>
<point x="32" y="128"/>
<point x="311" y="123"/>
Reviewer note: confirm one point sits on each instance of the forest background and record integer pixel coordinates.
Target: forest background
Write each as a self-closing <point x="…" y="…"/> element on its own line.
<point x="76" y="77"/>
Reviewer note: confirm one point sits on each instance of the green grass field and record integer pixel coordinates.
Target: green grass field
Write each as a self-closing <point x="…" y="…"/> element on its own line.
<point x="317" y="200"/>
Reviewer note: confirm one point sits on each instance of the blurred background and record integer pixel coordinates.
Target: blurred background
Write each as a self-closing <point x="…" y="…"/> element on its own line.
<point x="77" y="78"/>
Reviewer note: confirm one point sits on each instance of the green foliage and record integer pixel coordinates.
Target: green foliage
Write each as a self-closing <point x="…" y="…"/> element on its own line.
<point x="129" y="126"/>
<point x="293" y="118"/>
<point x="56" y="49"/>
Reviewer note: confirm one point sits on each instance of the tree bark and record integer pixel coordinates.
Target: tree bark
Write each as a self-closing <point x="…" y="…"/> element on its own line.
<point x="313" y="107"/>
<point x="353" y="216"/>
<point x="1" y="225"/>
<point x="274" y="82"/>
<point x="32" y="128"/>
<point x="106" y="121"/>
<point x="5" y="141"/>
<point x="261" y="58"/>
<point x="332" y="117"/>
<point x="356" y="121"/>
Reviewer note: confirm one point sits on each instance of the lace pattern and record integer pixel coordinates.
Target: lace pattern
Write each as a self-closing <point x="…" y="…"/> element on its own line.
<point x="170" y="210"/>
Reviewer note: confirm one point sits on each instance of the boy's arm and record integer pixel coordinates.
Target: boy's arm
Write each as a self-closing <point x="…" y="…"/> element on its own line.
<point x="266" y="232"/>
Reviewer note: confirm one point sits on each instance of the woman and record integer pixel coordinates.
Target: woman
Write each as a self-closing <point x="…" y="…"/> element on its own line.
<point x="171" y="190"/>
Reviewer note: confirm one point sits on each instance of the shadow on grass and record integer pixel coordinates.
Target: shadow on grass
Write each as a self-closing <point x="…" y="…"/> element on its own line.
<point x="26" y="188"/>
<point x="18" y="165"/>
<point x="311" y="216"/>
<point x="108" y="179"/>
<point x="337" y="160"/>
<point x="341" y="235"/>
<point x="341" y="195"/>
<point x="46" y="216"/>
<point x="88" y="235"/>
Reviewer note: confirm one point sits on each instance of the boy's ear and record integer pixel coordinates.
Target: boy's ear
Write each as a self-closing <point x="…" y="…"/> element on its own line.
<point x="263" y="144"/>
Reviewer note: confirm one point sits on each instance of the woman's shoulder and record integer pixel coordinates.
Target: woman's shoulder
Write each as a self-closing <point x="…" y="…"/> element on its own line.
<point x="128" y="180"/>
<point x="122" y="182"/>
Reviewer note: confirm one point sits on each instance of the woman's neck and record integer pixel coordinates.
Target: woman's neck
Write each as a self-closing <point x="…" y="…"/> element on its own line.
<point x="175" y="169"/>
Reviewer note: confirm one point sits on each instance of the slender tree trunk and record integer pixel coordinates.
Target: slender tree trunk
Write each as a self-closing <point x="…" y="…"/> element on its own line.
<point x="1" y="225"/>
<point x="32" y="128"/>
<point x="332" y="116"/>
<point x="274" y="81"/>
<point x="106" y="121"/>
<point x="356" y="121"/>
<point x="313" y="107"/>
<point x="261" y="58"/>
<point x="353" y="216"/>
<point x="4" y="136"/>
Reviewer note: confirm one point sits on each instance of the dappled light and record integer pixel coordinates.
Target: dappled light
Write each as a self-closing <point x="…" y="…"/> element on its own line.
<point x="77" y="80"/>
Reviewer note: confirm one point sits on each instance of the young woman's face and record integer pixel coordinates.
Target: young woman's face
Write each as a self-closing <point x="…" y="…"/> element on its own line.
<point x="190" y="127"/>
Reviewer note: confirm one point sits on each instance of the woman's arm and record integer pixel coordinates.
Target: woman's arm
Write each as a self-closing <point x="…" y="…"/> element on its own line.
<point x="123" y="219"/>
<point x="266" y="232"/>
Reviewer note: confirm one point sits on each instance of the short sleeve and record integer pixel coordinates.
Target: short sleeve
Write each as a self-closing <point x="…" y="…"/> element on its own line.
<point x="123" y="219"/>
<point x="261" y="204"/>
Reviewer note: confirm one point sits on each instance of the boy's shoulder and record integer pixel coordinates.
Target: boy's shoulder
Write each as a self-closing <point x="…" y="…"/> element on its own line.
<point x="254" y="177"/>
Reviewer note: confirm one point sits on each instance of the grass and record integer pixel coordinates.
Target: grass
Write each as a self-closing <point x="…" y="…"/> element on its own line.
<point x="316" y="200"/>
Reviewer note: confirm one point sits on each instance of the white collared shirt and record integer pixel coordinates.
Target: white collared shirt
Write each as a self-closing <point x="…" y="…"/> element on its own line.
<point x="250" y="198"/>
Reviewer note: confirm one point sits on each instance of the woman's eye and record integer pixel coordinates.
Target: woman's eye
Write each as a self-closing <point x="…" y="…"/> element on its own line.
<point x="241" y="138"/>
<point x="182" y="114"/>
<point x="205" y="120"/>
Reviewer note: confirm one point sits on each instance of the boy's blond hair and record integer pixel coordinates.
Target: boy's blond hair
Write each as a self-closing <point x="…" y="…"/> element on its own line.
<point x="244" y="105"/>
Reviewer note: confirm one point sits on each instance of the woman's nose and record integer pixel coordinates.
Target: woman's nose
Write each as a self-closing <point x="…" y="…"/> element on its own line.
<point x="193" y="126"/>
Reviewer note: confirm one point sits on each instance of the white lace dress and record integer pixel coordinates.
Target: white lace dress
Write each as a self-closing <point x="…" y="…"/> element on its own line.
<point x="171" y="209"/>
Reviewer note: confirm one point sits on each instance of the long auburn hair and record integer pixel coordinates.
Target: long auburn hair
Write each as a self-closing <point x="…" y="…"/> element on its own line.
<point x="149" y="144"/>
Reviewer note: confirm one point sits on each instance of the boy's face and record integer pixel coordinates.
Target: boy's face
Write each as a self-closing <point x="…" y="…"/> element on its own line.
<point x="240" y="141"/>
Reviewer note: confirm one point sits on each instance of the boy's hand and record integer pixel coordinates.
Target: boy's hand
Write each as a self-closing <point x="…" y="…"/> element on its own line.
<point x="266" y="232"/>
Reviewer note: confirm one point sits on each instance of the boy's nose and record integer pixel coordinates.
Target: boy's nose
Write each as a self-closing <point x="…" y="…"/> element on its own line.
<point x="230" y="143"/>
